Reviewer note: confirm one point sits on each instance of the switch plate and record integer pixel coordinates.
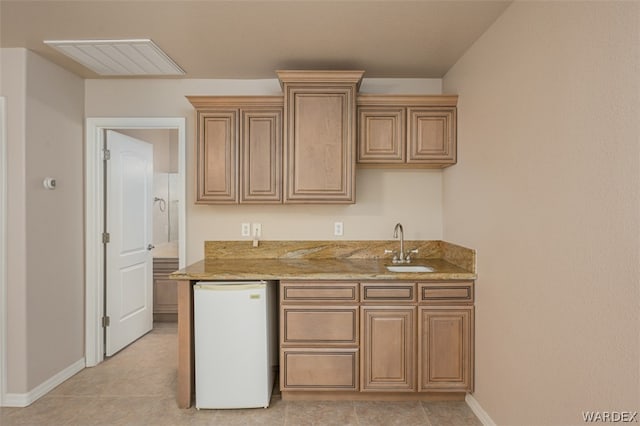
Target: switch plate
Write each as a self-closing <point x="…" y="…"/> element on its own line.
<point x="256" y="230"/>
<point x="338" y="229"/>
<point x="246" y="229"/>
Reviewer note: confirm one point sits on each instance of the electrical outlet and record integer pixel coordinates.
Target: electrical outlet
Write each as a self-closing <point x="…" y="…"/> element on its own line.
<point x="246" y="229"/>
<point x="256" y="230"/>
<point x="338" y="229"/>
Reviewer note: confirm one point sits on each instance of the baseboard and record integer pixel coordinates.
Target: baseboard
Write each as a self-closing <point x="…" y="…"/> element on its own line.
<point x="478" y="410"/>
<point x="25" y="399"/>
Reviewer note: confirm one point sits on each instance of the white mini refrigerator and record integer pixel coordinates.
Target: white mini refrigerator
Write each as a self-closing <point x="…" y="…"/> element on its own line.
<point x="235" y="343"/>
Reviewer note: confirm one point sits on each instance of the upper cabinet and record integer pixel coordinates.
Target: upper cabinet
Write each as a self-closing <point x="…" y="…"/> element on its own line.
<point x="407" y="130"/>
<point x="303" y="147"/>
<point x="319" y="135"/>
<point x="238" y="149"/>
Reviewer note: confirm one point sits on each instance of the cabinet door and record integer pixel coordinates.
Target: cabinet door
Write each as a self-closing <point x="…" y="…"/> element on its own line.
<point x="431" y="135"/>
<point x="216" y="176"/>
<point x="320" y="145"/>
<point x="261" y="156"/>
<point x="165" y="296"/>
<point x="446" y="349"/>
<point x="381" y="135"/>
<point x="388" y="349"/>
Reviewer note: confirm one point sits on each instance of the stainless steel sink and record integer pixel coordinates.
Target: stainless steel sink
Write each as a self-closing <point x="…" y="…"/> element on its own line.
<point x="409" y="268"/>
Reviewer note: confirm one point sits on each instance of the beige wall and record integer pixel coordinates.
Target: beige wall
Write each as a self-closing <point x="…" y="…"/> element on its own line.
<point x="384" y="197"/>
<point x="547" y="189"/>
<point x="13" y="80"/>
<point x="46" y="284"/>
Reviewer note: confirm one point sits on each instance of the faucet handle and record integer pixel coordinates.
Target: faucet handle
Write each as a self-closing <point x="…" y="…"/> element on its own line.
<point x="409" y="253"/>
<point x="395" y="255"/>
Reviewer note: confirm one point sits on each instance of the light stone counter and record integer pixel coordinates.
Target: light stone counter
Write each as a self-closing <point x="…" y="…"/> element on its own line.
<point x="316" y="269"/>
<point x="326" y="260"/>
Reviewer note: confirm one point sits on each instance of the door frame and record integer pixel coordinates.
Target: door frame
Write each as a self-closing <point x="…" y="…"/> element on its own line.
<point x="94" y="216"/>
<point x="3" y="249"/>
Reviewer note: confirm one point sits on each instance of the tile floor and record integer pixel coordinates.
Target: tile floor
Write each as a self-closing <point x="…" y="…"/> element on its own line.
<point x="137" y="387"/>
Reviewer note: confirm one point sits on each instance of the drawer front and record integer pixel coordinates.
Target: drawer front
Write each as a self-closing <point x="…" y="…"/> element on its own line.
<point x="319" y="369"/>
<point x="319" y="325"/>
<point x="301" y="292"/>
<point x="389" y="292"/>
<point x="164" y="266"/>
<point x="444" y="292"/>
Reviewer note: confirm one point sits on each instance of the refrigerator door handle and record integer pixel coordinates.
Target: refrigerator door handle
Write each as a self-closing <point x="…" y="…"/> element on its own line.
<point x="230" y="287"/>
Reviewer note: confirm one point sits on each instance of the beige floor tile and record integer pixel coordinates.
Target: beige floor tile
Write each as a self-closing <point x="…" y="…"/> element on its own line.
<point x="317" y="413"/>
<point x="137" y="387"/>
<point x="272" y="416"/>
<point x="450" y="413"/>
<point x="390" y="413"/>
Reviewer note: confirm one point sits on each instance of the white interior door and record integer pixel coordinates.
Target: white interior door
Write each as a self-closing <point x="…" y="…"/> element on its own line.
<point x="129" y="264"/>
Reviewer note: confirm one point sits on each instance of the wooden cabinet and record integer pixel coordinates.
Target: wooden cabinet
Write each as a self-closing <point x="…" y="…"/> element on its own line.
<point x="407" y="131"/>
<point x="238" y="149"/>
<point x="319" y="134"/>
<point x="394" y="336"/>
<point x="388" y="343"/>
<point x="319" y="336"/>
<point x="388" y="348"/>
<point x="446" y="336"/>
<point x="446" y="342"/>
<point x="165" y="293"/>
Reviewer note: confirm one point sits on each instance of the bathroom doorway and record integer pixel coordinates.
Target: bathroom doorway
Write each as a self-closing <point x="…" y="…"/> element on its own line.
<point x="169" y="134"/>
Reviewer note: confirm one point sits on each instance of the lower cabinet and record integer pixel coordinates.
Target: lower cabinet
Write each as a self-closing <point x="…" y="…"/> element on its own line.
<point x="446" y="348"/>
<point x="376" y="337"/>
<point x="165" y="291"/>
<point x="388" y="348"/>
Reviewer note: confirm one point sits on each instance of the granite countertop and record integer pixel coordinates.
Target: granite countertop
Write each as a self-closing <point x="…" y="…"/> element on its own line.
<point x="316" y="269"/>
<point x="234" y="261"/>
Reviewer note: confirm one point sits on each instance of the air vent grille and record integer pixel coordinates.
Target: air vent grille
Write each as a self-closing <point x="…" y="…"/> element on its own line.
<point x="138" y="57"/>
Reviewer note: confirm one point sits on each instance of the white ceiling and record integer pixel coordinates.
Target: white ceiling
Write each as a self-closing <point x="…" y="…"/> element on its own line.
<point x="252" y="39"/>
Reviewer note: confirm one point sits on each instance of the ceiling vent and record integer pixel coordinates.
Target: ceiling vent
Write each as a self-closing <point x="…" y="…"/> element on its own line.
<point x="138" y="57"/>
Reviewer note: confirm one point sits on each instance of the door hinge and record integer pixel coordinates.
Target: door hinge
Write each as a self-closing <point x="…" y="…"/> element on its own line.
<point x="106" y="321"/>
<point x="106" y="237"/>
<point x="106" y="154"/>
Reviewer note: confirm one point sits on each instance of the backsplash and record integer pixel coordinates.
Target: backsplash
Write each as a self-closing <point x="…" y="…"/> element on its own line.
<point x="364" y="249"/>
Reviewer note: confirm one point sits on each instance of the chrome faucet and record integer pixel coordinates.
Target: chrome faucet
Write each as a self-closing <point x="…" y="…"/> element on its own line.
<point x="395" y="235"/>
<point x="401" y="256"/>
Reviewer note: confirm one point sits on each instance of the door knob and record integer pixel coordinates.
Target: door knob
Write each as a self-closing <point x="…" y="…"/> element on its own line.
<point x="150" y="247"/>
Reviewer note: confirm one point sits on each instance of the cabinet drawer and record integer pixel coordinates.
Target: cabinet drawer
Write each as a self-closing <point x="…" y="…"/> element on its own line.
<point x="388" y="292"/>
<point x="163" y="266"/>
<point x="446" y="292"/>
<point x="298" y="292"/>
<point x="319" y="325"/>
<point x="319" y="369"/>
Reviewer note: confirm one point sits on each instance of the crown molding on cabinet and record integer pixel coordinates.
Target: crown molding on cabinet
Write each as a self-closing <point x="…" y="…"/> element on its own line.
<point x="204" y="102"/>
<point x="321" y="77"/>
<point x="407" y="100"/>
